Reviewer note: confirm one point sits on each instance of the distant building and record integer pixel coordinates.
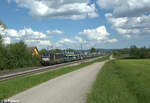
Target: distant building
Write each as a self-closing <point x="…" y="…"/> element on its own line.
<point x="33" y="50"/>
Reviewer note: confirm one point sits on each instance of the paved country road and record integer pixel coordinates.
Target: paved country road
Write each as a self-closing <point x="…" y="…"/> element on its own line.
<point x="68" y="88"/>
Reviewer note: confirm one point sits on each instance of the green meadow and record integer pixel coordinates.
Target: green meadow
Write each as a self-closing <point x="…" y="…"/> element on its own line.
<point x="122" y="81"/>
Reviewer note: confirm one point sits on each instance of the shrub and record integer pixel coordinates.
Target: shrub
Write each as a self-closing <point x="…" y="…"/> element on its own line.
<point x="17" y="56"/>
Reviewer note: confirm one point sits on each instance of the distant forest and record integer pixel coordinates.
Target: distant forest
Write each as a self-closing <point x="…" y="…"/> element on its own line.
<point x="133" y="52"/>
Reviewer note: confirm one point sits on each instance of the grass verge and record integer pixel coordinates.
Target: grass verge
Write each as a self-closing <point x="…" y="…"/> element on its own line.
<point x="122" y="81"/>
<point x="122" y="56"/>
<point x="5" y="71"/>
<point x="14" y="86"/>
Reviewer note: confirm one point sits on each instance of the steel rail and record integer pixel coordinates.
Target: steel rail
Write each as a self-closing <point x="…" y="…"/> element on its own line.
<point x="39" y="70"/>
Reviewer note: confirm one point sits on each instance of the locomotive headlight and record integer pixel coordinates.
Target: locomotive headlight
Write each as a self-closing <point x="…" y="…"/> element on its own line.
<point x="45" y="59"/>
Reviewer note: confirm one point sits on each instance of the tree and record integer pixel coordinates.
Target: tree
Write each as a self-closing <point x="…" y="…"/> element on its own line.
<point x="3" y="57"/>
<point x="93" y="50"/>
<point x="2" y="24"/>
<point x="57" y="51"/>
<point x="139" y="52"/>
<point x="1" y="40"/>
<point x="16" y="55"/>
<point x="69" y="50"/>
<point x="43" y="51"/>
<point x="116" y="53"/>
<point x="134" y="51"/>
<point x="125" y="51"/>
<point x="143" y="53"/>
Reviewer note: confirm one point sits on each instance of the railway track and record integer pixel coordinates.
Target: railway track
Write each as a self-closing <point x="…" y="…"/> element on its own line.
<point x="39" y="70"/>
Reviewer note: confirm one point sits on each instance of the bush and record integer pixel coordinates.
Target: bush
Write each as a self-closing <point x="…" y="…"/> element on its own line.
<point x="139" y="52"/>
<point x="3" y="57"/>
<point x="16" y="56"/>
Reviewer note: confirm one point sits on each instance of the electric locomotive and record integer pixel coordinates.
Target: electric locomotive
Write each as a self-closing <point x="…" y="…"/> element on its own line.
<point x="52" y="58"/>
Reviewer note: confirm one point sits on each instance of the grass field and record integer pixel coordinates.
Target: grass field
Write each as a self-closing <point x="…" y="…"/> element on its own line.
<point x="122" y="81"/>
<point x="14" y="86"/>
<point x="121" y="56"/>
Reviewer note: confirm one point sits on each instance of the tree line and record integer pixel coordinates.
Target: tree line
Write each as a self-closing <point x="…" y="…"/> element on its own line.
<point x="134" y="52"/>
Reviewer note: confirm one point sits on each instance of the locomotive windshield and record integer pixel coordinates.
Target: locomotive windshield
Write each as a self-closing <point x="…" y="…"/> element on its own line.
<point x="45" y="55"/>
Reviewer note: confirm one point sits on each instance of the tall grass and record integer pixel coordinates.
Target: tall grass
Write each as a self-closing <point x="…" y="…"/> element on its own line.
<point x="109" y="88"/>
<point x="122" y="81"/>
<point x="136" y="74"/>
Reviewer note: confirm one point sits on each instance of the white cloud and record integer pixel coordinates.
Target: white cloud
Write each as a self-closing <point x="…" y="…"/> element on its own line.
<point x="12" y="33"/>
<point x="28" y="32"/>
<point x="87" y="38"/>
<point x="93" y="15"/>
<point x="66" y="9"/>
<point x="64" y="43"/>
<point x="9" y="1"/>
<point x="45" y="42"/>
<point x="23" y="33"/>
<point x="29" y="36"/>
<point x="7" y="40"/>
<point x="54" y="31"/>
<point x="126" y="8"/>
<point x="130" y="26"/>
<point x="65" y="40"/>
<point x="129" y="18"/>
<point x="31" y="41"/>
<point x="79" y="39"/>
<point x="113" y="40"/>
<point x="98" y="34"/>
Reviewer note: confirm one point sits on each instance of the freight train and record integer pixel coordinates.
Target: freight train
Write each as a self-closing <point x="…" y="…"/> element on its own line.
<point x="55" y="58"/>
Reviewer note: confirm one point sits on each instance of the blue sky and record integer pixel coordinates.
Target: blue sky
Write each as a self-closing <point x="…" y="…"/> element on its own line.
<point x="94" y="24"/>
